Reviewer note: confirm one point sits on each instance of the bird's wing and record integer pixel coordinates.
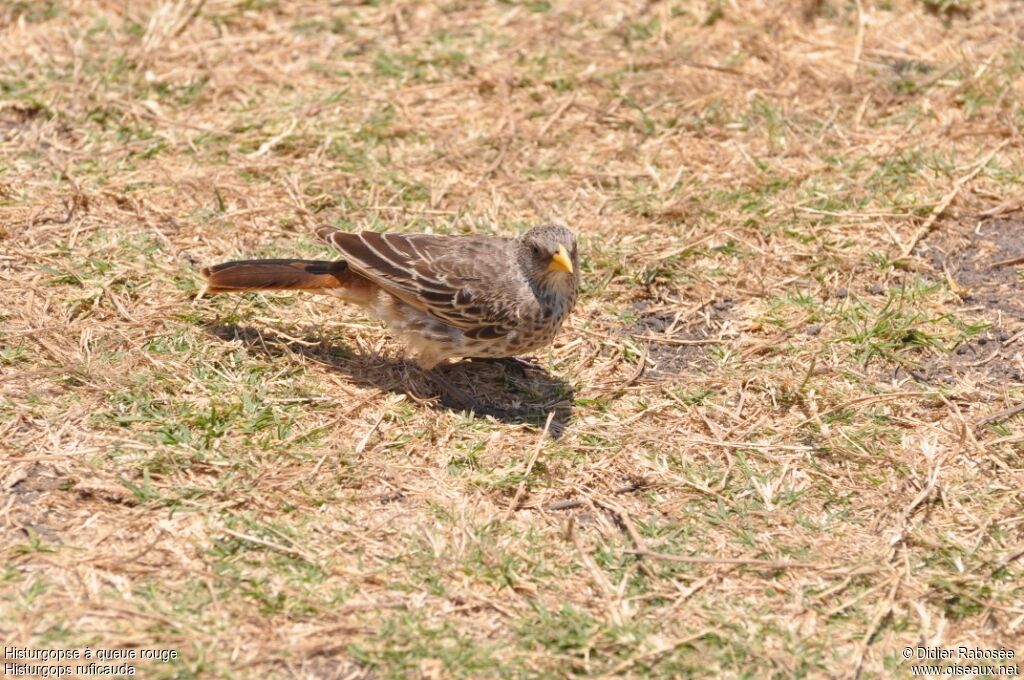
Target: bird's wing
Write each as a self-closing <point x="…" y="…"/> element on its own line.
<point x="456" y="279"/>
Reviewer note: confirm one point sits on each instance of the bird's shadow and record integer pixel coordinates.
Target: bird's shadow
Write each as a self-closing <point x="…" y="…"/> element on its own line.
<point x="508" y="390"/>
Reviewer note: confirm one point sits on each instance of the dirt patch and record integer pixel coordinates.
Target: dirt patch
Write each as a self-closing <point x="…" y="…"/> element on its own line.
<point x="27" y="485"/>
<point x="985" y="267"/>
<point x="27" y="489"/>
<point x="994" y="358"/>
<point x="33" y="124"/>
<point x="981" y="263"/>
<point x="678" y="346"/>
<point x="16" y="118"/>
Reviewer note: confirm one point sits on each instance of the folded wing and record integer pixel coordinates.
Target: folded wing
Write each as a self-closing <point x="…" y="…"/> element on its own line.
<point x="455" y="279"/>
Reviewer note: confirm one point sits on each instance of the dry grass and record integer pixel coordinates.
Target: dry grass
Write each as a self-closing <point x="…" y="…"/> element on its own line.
<point x="773" y="452"/>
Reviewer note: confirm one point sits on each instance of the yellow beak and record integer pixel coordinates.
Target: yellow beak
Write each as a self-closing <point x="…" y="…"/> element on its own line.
<point x="560" y="261"/>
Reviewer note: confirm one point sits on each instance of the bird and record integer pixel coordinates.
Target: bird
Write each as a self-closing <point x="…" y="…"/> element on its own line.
<point x="444" y="296"/>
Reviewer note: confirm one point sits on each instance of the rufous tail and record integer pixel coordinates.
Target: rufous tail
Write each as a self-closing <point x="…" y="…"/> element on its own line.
<point x="234" y="277"/>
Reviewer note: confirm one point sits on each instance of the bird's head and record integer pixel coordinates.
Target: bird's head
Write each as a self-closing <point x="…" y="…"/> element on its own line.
<point x="549" y="257"/>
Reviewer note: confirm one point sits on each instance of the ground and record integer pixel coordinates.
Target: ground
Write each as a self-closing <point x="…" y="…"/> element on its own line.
<point x="777" y="437"/>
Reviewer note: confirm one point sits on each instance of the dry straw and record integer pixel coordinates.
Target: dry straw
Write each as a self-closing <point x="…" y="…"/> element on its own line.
<point x="783" y="424"/>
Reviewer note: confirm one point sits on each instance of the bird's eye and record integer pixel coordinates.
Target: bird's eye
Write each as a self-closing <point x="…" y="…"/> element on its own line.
<point x="536" y="249"/>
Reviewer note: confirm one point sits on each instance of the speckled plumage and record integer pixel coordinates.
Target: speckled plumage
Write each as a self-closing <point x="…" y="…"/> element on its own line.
<point x="444" y="296"/>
